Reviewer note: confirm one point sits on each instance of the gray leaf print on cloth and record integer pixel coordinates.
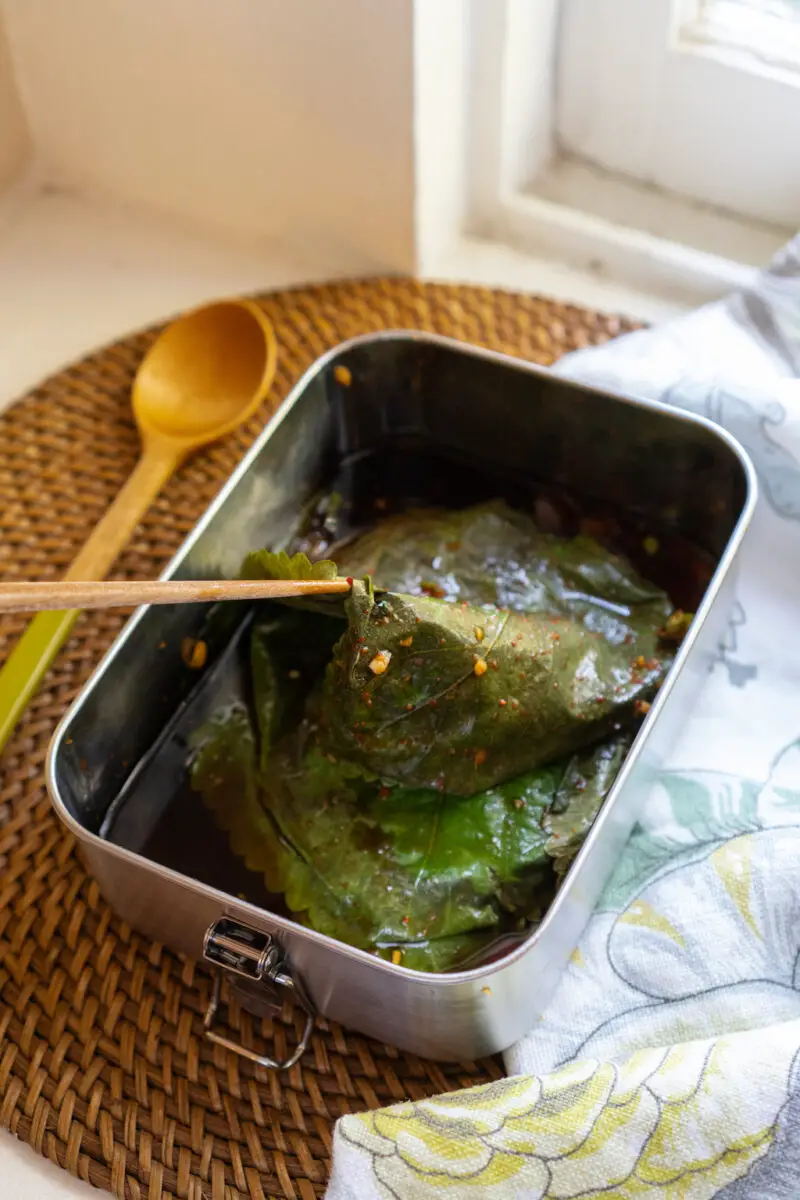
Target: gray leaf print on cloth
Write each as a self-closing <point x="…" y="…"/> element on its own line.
<point x="755" y="426"/>
<point x="739" y="673"/>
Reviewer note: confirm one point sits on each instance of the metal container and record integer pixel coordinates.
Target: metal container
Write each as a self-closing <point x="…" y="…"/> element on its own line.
<point x="401" y="395"/>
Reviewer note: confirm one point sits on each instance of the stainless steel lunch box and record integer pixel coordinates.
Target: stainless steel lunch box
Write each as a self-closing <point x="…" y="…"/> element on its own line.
<point x="404" y="389"/>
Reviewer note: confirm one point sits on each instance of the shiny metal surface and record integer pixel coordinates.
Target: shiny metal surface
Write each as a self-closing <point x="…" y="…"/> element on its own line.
<point x="256" y="957"/>
<point x="523" y="420"/>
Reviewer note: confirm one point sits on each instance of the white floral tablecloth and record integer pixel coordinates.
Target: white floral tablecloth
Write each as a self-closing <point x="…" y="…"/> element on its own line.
<point x="666" y="1066"/>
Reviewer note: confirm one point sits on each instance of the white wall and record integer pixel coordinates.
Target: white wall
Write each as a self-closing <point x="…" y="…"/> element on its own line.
<point x="13" y="133"/>
<point x="441" y="77"/>
<point x="287" y="120"/>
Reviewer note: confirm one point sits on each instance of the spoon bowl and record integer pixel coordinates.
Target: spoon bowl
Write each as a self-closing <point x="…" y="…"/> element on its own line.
<point x="207" y="373"/>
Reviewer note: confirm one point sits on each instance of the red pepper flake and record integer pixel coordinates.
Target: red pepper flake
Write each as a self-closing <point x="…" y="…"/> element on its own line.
<point x="556" y="637"/>
<point x="522" y="674"/>
<point x="480" y="758"/>
<point x="502" y="703"/>
<point x="432" y="589"/>
<point x="405" y="920"/>
<point x="409" y="708"/>
<point x="642" y="708"/>
<point x="384" y="792"/>
<point x="599" y="699"/>
<point x="515" y="703"/>
<point x="364" y="650"/>
<point x="350" y="580"/>
<point x="432" y="703"/>
<point x="406" y="641"/>
<point x="362" y="638"/>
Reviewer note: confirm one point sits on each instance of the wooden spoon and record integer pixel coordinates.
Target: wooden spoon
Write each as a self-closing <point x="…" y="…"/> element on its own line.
<point x="120" y="593"/>
<point x="206" y="373"/>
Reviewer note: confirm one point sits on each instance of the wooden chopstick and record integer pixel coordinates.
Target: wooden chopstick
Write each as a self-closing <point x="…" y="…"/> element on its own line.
<point x="38" y="597"/>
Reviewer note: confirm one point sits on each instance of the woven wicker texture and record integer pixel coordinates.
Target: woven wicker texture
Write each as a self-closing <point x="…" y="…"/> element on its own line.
<point x="103" y="1063"/>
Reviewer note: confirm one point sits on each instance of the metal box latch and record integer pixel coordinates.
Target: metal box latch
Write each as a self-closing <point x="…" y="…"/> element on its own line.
<point x="252" y="955"/>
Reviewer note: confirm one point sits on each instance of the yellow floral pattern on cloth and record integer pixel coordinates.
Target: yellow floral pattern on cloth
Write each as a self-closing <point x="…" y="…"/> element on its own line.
<point x="665" y="1124"/>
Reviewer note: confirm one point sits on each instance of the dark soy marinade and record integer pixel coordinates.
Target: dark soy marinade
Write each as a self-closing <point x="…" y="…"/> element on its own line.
<point x="418" y="847"/>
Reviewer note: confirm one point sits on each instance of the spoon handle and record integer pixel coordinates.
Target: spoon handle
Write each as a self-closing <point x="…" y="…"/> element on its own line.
<point x="33" y="654"/>
<point x="112" y="532"/>
<point x="40" y="597"/>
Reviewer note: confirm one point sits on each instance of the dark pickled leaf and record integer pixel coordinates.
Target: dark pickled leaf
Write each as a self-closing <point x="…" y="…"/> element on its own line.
<point x="289" y="652"/>
<point x="491" y="554"/>
<point x="585" y="785"/>
<point x="440" y="695"/>
<point x="393" y="869"/>
<point x="401" y="800"/>
<point x="411" y="869"/>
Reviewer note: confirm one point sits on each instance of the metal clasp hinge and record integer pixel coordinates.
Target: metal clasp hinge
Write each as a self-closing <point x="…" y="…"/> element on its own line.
<point x="256" y="957"/>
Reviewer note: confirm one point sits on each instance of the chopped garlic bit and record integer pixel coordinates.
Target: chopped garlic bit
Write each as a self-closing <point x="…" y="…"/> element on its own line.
<point x="480" y="667"/>
<point x="380" y="662"/>
<point x="194" y="653"/>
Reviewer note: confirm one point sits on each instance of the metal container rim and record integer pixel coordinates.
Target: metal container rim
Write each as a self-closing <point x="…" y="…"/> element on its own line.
<point x="474" y="974"/>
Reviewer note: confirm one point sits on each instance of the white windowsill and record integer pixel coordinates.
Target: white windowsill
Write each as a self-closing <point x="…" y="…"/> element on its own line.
<point x="75" y="273"/>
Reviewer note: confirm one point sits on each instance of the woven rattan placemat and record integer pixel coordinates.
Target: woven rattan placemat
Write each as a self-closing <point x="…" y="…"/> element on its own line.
<point x="103" y="1064"/>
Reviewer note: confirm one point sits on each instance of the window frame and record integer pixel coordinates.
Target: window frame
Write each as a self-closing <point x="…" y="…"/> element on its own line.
<point x="514" y="134"/>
